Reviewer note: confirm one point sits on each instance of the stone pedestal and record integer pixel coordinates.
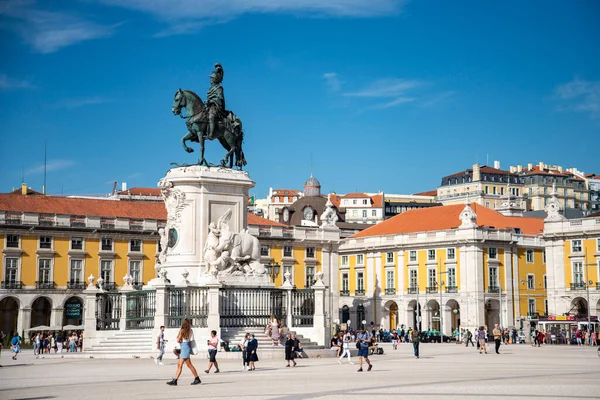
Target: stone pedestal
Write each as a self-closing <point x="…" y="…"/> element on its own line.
<point x="194" y="197"/>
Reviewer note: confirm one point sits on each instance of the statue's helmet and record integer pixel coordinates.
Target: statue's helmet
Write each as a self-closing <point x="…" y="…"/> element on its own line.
<point x="217" y="74"/>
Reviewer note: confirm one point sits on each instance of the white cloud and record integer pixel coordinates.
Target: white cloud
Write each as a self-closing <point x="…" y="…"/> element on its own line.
<point x="185" y="16"/>
<point x="396" y="102"/>
<point x="579" y="96"/>
<point x="392" y="87"/>
<point x="52" y="165"/>
<point x="79" y="102"/>
<point x="332" y="81"/>
<point x="7" y="83"/>
<point x="439" y="98"/>
<point x="49" y="31"/>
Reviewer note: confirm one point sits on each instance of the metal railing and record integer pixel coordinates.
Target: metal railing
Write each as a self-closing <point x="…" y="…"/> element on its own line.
<point x="191" y="303"/>
<point x="11" y="285"/>
<point x="45" y="285"/>
<point x="76" y="285"/>
<point x="344" y="293"/>
<point x="303" y="307"/>
<point x="107" y="286"/>
<point x="597" y="285"/>
<point x="141" y="307"/>
<point x="493" y="289"/>
<point x="251" y="307"/>
<point x="412" y="290"/>
<point x="578" y="286"/>
<point x="451" y="289"/>
<point x="108" y="311"/>
<point x="359" y="292"/>
<point x="390" y="290"/>
<point x="431" y="289"/>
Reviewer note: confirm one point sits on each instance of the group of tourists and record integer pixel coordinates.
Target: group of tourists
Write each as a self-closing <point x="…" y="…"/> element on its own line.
<point x="46" y="343"/>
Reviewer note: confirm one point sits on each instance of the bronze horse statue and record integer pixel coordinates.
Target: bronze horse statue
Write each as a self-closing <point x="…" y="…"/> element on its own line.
<point x="228" y="131"/>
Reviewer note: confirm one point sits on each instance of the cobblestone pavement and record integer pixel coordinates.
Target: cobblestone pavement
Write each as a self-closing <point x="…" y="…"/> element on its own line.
<point x="443" y="371"/>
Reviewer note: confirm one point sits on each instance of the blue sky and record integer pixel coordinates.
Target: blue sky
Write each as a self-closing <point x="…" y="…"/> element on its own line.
<point x="367" y="94"/>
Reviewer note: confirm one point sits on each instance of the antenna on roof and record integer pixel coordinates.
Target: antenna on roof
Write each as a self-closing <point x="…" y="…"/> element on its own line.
<point x="22" y="176"/>
<point x="311" y="164"/>
<point x="487" y="159"/>
<point x="45" y="165"/>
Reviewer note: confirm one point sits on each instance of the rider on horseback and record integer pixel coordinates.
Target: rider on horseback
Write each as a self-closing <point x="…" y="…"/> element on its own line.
<point x="215" y="100"/>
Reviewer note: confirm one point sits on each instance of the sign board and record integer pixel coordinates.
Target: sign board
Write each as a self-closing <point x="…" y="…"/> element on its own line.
<point x="73" y="310"/>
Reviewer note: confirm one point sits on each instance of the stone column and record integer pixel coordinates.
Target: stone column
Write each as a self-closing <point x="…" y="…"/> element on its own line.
<point x="162" y="305"/>
<point x="214" y="318"/>
<point x="89" y="316"/>
<point x="56" y="317"/>
<point x="288" y="287"/>
<point x="124" y="290"/>
<point x="23" y="320"/>
<point x="319" y="317"/>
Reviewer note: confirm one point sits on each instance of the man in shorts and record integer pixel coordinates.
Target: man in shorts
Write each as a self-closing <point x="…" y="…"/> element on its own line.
<point x="363" y="340"/>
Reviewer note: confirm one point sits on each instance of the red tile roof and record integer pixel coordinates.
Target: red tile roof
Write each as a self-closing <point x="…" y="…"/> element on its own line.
<point x="97" y="208"/>
<point x="447" y="217"/>
<point x="355" y="196"/>
<point x="377" y="200"/>
<point x="592" y="176"/>
<point x="484" y="169"/>
<point x="428" y="193"/>
<point x="141" y="191"/>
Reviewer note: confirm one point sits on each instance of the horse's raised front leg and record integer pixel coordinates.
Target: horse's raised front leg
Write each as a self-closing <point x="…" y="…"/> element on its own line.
<point x="188" y="136"/>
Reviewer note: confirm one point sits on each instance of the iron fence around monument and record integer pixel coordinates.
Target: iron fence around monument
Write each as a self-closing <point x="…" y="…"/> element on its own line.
<point x="108" y="311"/>
<point x="141" y="307"/>
<point x="189" y="303"/>
<point x="303" y="307"/>
<point x="251" y="307"/>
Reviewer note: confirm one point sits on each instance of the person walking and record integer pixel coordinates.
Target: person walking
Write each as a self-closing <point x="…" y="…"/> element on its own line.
<point x="594" y="338"/>
<point x="290" y="349"/>
<point x="346" y="348"/>
<point x="415" y="341"/>
<point x="37" y="344"/>
<point x="275" y="332"/>
<point x="252" y="355"/>
<point x="481" y="340"/>
<point x="497" y="338"/>
<point x="160" y="346"/>
<point x="244" y="349"/>
<point x="213" y="345"/>
<point x="59" y="342"/>
<point x="15" y="345"/>
<point x="469" y="339"/>
<point x="186" y="340"/>
<point x="363" y="340"/>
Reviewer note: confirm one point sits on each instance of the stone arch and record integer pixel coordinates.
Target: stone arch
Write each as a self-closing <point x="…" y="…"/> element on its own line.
<point x="72" y="311"/>
<point x="433" y="315"/>
<point x="392" y="315"/>
<point x="579" y="306"/>
<point x="492" y="313"/>
<point x="360" y="316"/>
<point x="453" y="309"/>
<point x="345" y="314"/>
<point x="41" y="310"/>
<point x="414" y="312"/>
<point x="9" y="314"/>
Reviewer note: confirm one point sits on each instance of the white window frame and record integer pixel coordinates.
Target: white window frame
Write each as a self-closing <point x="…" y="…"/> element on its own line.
<point x="50" y="269"/>
<point x="268" y="252"/>
<point x="81" y="278"/>
<point x="18" y="242"/>
<point x="387" y="258"/>
<point x="345" y="287"/>
<point x="112" y="269"/>
<point x="364" y="213"/>
<point x="451" y="253"/>
<point x="412" y="253"/>
<point x="112" y="244"/>
<point x="531" y="306"/>
<point x="429" y="252"/>
<point x="451" y="277"/>
<point x="390" y="273"/>
<point x="373" y="213"/>
<point x="360" y="281"/>
<point x="545" y="281"/>
<point x="365" y="202"/>
<point x="574" y="247"/>
<point x="82" y="243"/>
<point x="308" y="283"/>
<point x="291" y="251"/>
<point x="495" y="282"/>
<point x="598" y="245"/>
<point x="314" y="252"/>
<point x="345" y="261"/>
<point x="17" y="268"/>
<point x="131" y="246"/>
<point x="530" y="282"/>
<point x="527" y="259"/>
<point x="493" y="253"/>
<point x="544" y="256"/>
<point x="141" y="271"/>
<point x="360" y="259"/>
<point x="431" y="278"/>
<point x="413" y="273"/>
<point x="45" y="248"/>
<point x="577" y="273"/>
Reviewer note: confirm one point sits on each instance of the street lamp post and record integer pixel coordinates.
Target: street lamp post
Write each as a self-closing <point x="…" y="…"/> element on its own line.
<point x="587" y="287"/>
<point x="528" y="317"/>
<point x="441" y="283"/>
<point x="273" y="270"/>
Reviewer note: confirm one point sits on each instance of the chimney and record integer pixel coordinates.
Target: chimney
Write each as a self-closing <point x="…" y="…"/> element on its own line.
<point x="123" y="186"/>
<point x="541" y="165"/>
<point x="24" y="189"/>
<point x="519" y="168"/>
<point x="497" y="164"/>
<point x="476" y="173"/>
<point x="513" y="169"/>
<point x="560" y="168"/>
<point x="530" y="166"/>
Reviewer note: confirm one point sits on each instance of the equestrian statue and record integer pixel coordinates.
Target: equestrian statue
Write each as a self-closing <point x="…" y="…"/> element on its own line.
<point x="210" y="120"/>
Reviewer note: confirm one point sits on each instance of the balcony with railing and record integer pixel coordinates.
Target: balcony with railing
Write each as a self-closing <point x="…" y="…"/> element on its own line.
<point x="108" y="286"/>
<point x="451" y="289"/>
<point x="431" y="289"/>
<point x="412" y="290"/>
<point x="11" y="285"/>
<point x="45" y="285"/>
<point x="137" y="285"/>
<point x="597" y="285"/>
<point x="359" y="292"/>
<point x="390" y="290"/>
<point x="76" y="285"/>
<point x="578" y="286"/>
<point x="344" y="293"/>
<point x="493" y="289"/>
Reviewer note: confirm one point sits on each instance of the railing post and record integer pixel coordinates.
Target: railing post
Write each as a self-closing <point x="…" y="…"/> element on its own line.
<point x="123" y="320"/>
<point x="288" y="287"/>
<point x="162" y="305"/>
<point x="214" y="319"/>
<point x="319" y="317"/>
<point x="89" y="316"/>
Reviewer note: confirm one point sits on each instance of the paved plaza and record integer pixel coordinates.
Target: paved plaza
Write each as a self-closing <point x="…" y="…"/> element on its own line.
<point x="449" y="371"/>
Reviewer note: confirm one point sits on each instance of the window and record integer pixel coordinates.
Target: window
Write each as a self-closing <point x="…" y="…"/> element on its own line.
<point x="451" y="275"/>
<point x="430" y="255"/>
<point x="354" y="201"/>
<point x="529" y="256"/>
<point x="530" y="282"/>
<point x="493" y="189"/>
<point x="264" y="250"/>
<point x="598" y="245"/>
<point x="76" y="243"/>
<point x="345" y="284"/>
<point x="344" y="260"/>
<point x="546" y="307"/>
<point x="11" y="274"/>
<point x="310" y="276"/>
<point x="360" y="282"/>
<point x="364" y="213"/>
<point x="576" y="246"/>
<point x="365" y="202"/>
<point x="288" y="269"/>
<point x="359" y="259"/>
<point x="531" y="307"/>
<point x="413" y="279"/>
<point x="287" y="251"/>
<point x="578" y="273"/>
<point x="544" y="256"/>
<point x="12" y="241"/>
<point x="486" y="190"/>
<point x="135" y="245"/>
<point x="45" y="242"/>
<point x="44" y="270"/>
<point x="431" y="282"/>
<point x="493" y="277"/>
<point x="135" y="271"/>
<point x="412" y="256"/>
<point x="106" y="270"/>
<point x="389" y="279"/>
<point x="373" y="213"/>
<point x="545" y="282"/>
<point x="451" y="254"/>
<point x="310" y="252"/>
<point x="107" y="244"/>
<point x="487" y="204"/>
<point x="493" y="253"/>
<point x="76" y="275"/>
<point x="389" y="258"/>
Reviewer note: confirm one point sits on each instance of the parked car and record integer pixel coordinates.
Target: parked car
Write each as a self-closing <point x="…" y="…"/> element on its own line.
<point x="433" y="337"/>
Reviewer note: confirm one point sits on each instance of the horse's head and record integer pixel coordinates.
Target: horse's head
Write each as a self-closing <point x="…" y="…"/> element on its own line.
<point x="178" y="102"/>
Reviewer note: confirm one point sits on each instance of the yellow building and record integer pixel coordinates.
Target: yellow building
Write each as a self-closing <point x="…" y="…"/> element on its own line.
<point x="50" y="245"/>
<point x="454" y="266"/>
